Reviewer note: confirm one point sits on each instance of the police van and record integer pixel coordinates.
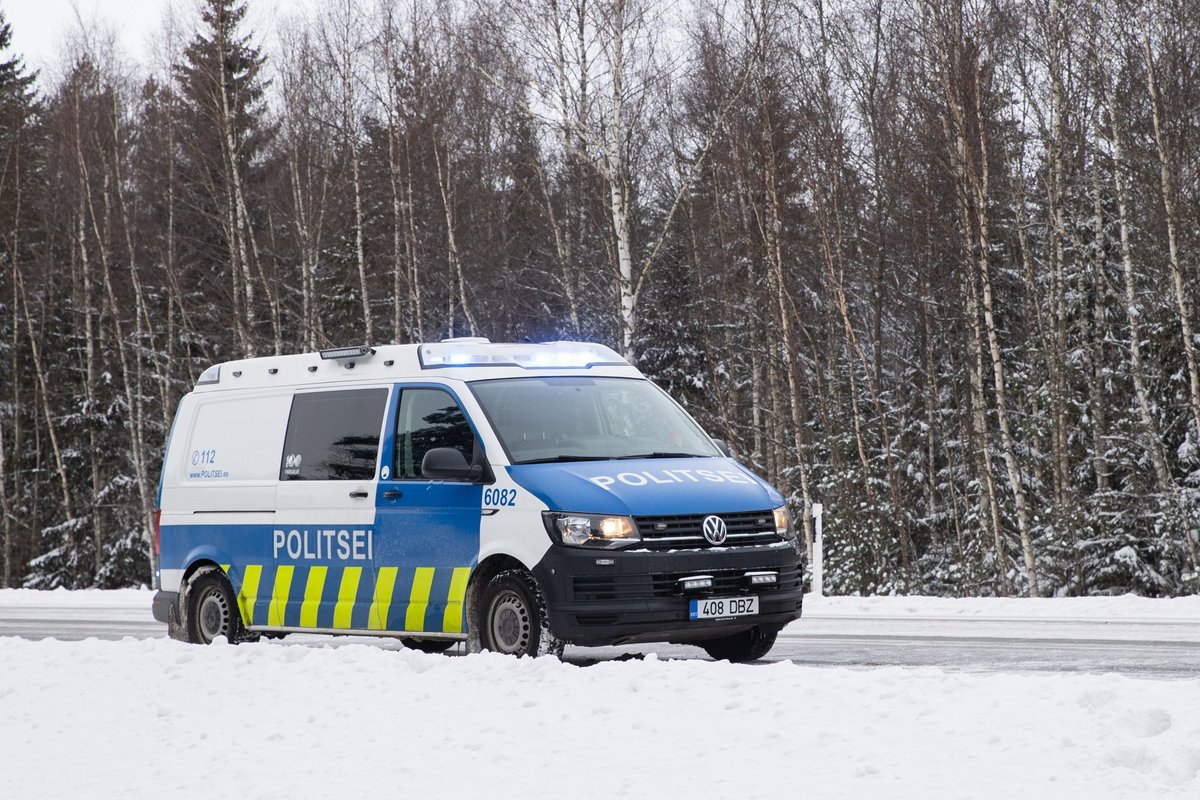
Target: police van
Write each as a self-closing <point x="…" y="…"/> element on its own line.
<point x="517" y="497"/>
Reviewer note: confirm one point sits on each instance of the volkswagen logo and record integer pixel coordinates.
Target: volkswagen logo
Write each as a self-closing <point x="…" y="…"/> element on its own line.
<point x="714" y="529"/>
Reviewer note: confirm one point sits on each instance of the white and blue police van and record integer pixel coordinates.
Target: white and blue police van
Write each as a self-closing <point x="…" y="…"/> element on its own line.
<point x="517" y="497"/>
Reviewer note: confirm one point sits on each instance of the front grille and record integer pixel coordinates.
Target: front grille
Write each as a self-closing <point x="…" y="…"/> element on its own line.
<point x="657" y="585"/>
<point x="686" y="531"/>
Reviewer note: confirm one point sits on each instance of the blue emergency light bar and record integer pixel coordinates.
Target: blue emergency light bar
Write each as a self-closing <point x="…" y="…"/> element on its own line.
<point x="550" y="355"/>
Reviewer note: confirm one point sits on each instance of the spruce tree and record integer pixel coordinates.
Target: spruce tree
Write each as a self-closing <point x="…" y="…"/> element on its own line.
<point x="19" y="168"/>
<point x="223" y="138"/>
<point x="17" y="107"/>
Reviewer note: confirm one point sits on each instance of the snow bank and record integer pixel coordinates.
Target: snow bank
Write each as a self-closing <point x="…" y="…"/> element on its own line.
<point x="1122" y="607"/>
<point x="1119" y="608"/>
<point x="77" y="598"/>
<point x="155" y="717"/>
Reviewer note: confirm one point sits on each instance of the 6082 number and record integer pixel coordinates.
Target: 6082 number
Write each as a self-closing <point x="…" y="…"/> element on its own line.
<point x="499" y="497"/>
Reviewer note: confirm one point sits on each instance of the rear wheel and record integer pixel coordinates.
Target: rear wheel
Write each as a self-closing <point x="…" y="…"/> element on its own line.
<point x="513" y="617"/>
<point x="212" y="610"/>
<point x="429" y="645"/>
<point x="742" y="647"/>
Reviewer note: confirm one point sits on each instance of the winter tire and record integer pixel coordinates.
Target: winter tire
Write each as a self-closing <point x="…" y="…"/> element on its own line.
<point x="742" y="647"/>
<point x="513" y="617"/>
<point x="212" y="610"/>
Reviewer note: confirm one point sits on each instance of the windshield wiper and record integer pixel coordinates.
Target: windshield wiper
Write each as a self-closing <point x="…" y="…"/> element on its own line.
<point x="661" y="455"/>
<point x="553" y="459"/>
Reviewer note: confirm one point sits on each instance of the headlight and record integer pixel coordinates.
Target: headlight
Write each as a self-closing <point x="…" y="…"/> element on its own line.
<point x="784" y="528"/>
<point x="591" y="530"/>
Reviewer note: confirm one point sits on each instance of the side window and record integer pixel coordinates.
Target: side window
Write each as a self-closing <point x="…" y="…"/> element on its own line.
<point x="428" y="418"/>
<point x="333" y="436"/>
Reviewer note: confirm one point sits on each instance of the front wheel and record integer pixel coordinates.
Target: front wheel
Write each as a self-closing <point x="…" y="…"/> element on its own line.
<point x="513" y="617"/>
<point x="212" y="611"/>
<point x="742" y="647"/>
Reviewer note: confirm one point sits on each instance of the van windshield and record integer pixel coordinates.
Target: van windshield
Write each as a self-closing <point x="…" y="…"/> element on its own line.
<point x="541" y="420"/>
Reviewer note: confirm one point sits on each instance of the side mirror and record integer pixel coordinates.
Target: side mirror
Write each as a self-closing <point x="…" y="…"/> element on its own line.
<point x="446" y="463"/>
<point x="724" y="447"/>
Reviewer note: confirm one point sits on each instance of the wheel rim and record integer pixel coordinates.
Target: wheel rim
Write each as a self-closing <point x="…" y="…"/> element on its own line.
<point x="214" y="614"/>
<point x="511" y="623"/>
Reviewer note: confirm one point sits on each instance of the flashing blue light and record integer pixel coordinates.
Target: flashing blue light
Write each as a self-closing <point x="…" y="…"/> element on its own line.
<point x="552" y="355"/>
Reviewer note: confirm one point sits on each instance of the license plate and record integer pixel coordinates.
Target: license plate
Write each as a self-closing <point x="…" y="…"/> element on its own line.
<point x="721" y="607"/>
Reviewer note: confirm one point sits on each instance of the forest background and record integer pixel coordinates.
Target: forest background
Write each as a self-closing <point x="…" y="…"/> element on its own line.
<point x="930" y="263"/>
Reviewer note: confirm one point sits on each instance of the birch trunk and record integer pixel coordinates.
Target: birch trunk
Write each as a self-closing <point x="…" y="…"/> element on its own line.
<point x="1152" y="438"/>
<point x="84" y="276"/>
<point x="398" y="241"/>
<point x="1096" y="398"/>
<point x="982" y="195"/>
<point x="236" y="217"/>
<point x="6" y="512"/>
<point x="410" y="246"/>
<point x="142" y="328"/>
<point x="455" y="262"/>
<point x="5" y="503"/>
<point x="979" y="420"/>
<point x="973" y="172"/>
<point x="616" y="173"/>
<point x="1055" y="198"/>
<point x="128" y="369"/>
<point x="980" y="426"/>
<point x="351" y="123"/>
<point x="89" y="389"/>
<point x="1178" y="279"/>
<point x="35" y="351"/>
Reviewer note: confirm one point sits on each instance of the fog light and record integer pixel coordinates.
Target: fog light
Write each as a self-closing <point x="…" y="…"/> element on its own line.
<point x="695" y="583"/>
<point x="763" y="578"/>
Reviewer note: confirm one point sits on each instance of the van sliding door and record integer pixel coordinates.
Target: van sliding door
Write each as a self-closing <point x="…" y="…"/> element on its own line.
<point x="325" y="534"/>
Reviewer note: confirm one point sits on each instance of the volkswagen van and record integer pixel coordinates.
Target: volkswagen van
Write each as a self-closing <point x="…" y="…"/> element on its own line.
<point x="515" y="497"/>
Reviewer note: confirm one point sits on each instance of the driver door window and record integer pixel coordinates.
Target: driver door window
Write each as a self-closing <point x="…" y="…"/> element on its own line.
<point x="428" y="418"/>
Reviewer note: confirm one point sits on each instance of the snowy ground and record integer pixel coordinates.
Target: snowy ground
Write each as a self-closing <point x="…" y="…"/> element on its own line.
<point x="112" y="614"/>
<point x="337" y="718"/>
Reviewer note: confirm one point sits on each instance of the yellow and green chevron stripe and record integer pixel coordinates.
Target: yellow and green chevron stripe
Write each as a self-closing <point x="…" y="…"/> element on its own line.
<point x="425" y="599"/>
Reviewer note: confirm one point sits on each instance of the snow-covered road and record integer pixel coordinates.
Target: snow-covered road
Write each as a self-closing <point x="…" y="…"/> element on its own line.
<point x="1129" y="635"/>
<point x="1022" y="704"/>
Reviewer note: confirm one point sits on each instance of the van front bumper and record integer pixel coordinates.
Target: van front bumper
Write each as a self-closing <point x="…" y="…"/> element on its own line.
<point x="637" y="597"/>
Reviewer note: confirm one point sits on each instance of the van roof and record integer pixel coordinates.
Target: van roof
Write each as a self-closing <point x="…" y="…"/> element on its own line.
<point x="462" y="359"/>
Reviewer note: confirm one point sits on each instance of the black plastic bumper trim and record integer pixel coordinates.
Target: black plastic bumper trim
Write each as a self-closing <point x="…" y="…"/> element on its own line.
<point x="650" y="618"/>
<point x="162" y="605"/>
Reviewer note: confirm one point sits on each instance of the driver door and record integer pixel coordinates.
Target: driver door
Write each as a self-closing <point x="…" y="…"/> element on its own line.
<point x="427" y="531"/>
